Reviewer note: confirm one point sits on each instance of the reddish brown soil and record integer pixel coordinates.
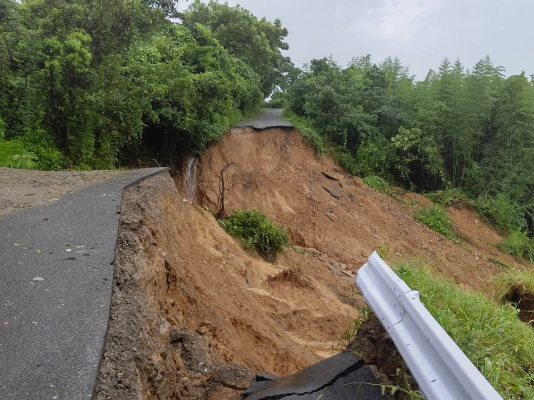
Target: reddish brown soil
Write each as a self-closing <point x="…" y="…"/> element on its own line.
<point x="280" y="175"/>
<point x="189" y="301"/>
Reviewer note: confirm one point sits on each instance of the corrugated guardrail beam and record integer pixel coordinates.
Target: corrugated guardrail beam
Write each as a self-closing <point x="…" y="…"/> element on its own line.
<point x="441" y="369"/>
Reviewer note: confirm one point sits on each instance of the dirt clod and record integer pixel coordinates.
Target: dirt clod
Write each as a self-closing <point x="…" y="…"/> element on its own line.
<point x="523" y="299"/>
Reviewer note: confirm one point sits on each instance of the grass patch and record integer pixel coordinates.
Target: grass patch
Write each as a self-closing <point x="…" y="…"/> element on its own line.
<point x="499" y="262"/>
<point x="437" y="219"/>
<point x="384" y="250"/>
<point x="519" y="245"/>
<point x="258" y="232"/>
<point x="378" y="184"/>
<point x="322" y="145"/>
<point x="490" y="334"/>
<point x="307" y="130"/>
<point x="447" y="197"/>
<point x="505" y="282"/>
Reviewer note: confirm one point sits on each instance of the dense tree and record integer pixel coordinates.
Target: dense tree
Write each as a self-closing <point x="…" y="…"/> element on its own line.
<point x="257" y="42"/>
<point x="107" y="82"/>
<point x="472" y="129"/>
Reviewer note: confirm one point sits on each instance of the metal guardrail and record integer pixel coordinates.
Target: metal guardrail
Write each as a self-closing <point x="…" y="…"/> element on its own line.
<point x="441" y="369"/>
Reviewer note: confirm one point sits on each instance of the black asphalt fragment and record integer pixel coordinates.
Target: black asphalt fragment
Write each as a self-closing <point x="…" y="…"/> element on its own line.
<point x="341" y="377"/>
<point x="56" y="272"/>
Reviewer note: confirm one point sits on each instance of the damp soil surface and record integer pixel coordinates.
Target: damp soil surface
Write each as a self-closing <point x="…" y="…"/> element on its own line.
<point x="195" y="315"/>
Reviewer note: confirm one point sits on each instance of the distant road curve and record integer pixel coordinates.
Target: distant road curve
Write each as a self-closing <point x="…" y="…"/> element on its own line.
<point x="268" y="118"/>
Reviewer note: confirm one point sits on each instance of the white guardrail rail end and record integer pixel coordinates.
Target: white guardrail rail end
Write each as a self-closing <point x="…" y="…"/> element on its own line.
<point x="441" y="369"/>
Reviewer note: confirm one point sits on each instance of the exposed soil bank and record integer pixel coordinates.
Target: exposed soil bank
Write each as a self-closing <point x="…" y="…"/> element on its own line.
<point x="181" y="282"/>
<point x="194" y="315"/>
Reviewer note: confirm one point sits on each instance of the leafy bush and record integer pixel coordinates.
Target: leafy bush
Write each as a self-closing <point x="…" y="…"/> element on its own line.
<point x="490" y="334"/>
<point x="500" y="209"/>
<point x="519" y="245"/>
<point x="377" y="183"/>
<point x="257" y="231"/>
<point x="374" y="157"/>
<point x="25" y="160"/>
<point x="437" y="219"/>
<point x="305" y="127"/>
<point x="9" y="149"/>
<point x="447" y="197"/>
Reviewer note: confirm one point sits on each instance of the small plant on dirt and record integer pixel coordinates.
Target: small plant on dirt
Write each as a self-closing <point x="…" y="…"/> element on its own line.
<point x="519" y="245"/>
<point x="350" y="333"/>
<point x="499" y="262"/>
<point x="292" y="276"/>
<point x="378" y="183"/>
<point x="257" y="231"/>
<point x="447" y="197"/>
<point x="384" y="251"/>
<point x="489" y="333"/>
<point x="513" y="278"/>
<point x="437" y="219"/>
<point x="299" y="250"/>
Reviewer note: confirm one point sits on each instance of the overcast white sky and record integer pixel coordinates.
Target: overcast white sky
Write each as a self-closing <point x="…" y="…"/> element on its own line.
<point x="420" y="32"/>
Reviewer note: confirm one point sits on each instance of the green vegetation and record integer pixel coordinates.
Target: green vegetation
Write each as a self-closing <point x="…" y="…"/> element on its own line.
<point x="506" y="282"/>
<point x="499" y="262"/>
<point x="465" y="132"/>
<point x="377" y="183"/>
<point x="305" y="127"/>
<point x="257" y="231"/>
<point x="104" y="83"/>
<point x="437" y="219"/>
<point x="490" y="334"/>
<point x="519" y="245"/>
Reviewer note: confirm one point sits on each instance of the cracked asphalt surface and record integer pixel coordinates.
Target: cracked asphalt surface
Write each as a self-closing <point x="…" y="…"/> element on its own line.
<point x="56" y="274"/>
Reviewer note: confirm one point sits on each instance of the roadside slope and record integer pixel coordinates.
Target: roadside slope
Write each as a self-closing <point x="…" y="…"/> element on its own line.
<point x="279" y="174"/>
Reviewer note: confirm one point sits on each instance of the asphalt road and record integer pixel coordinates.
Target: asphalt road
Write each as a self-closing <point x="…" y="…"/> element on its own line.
<point x="56" y="274"/>
<point x="268" y="118"/>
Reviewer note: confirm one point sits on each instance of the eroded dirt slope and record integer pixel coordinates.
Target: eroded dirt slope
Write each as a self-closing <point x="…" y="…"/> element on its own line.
<point x="179" y="273"/>
<point x="279" y="174"/>
<point x="194" y="315"/>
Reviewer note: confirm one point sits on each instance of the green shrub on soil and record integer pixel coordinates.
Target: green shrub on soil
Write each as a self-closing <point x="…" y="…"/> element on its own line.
<point x="257" y="231"/>
<point x="437" y="219"/>
<point x="489" y="333"/>
<point x="519" y="245"/>
<point x="377" y="183"/>
<point x="307" y="130"/>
